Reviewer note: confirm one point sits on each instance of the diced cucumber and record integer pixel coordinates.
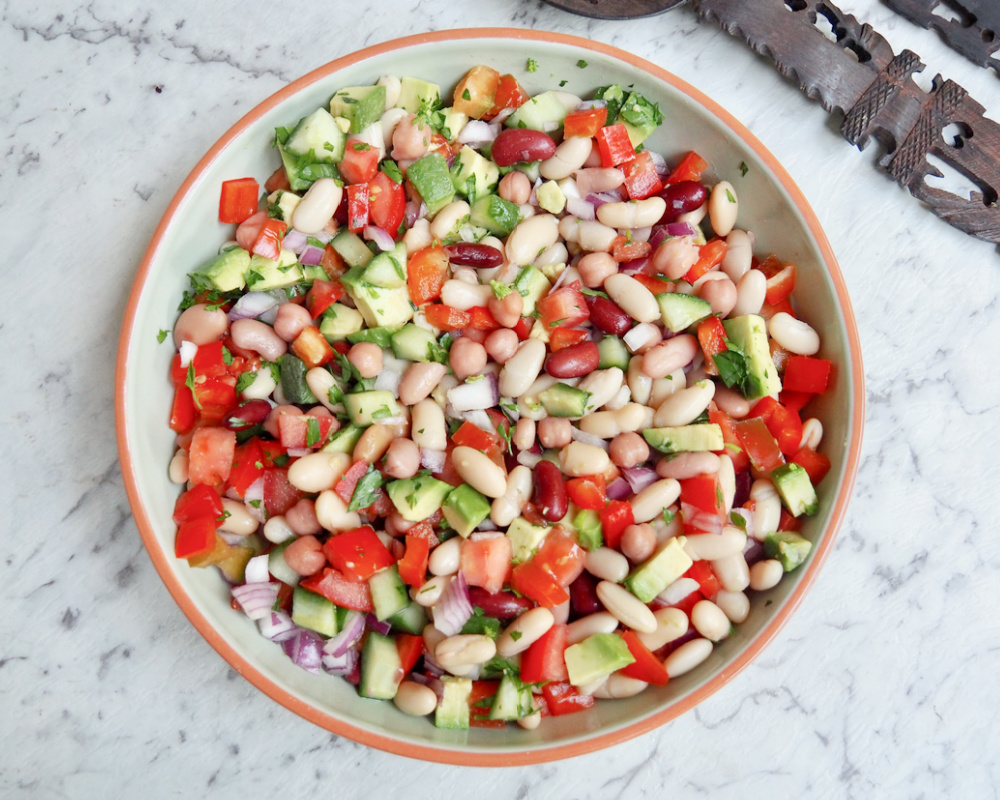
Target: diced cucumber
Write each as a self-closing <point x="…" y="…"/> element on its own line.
<point x="293" y="380"/>
<point x="279" y="568"/>
<point x="512" y="701"/>
<point x="472" y="175"/>
<point x="561" y="400"/>
<point x="453" y="708"/>
<point x="382" y="336"/>
<point x="381" y="669"/>
<point x="411" y="619"/>
<point x="344" y="440"/>
<point x="413" y="343"/>
<point x="389" y="595"/>
<point x="265" y="274"/>
<point x="310" y="610"/>
<point x="366" y="408"/>
<point x="362" y="105"/>
<point x="681" y="311"/>
<point x="388" y="269"/>
<point x="318" y="133"/>
<point x="352" y="248"/>
<point x="340" y="321"/>
<point x="539" y="112"/>
<point x="613" y="353"/>
<point x="589" y="531"/>
<point x="495" y="214"/>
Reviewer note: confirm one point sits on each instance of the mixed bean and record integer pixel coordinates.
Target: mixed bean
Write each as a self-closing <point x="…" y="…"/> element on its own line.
<point x="488" y="408"/>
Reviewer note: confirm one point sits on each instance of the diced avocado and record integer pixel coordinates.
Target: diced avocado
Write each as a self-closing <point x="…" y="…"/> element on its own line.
<point x="417" y="498"/>
<point x="413" y="343"/>
<point x="416" y="94"/>
<point x="344" y="440"/>
<point x="550" y="197"/>
<point x="472" y="175"/>
<point x="795" y="489"/>
<point x="281" y="204"/>
<point x="279" y="568"/>
<point x="352" y="248"/>
<point x="381" y="668"/>
<point x="362" y="105"/>
<point x="525" y="538"/>
<point x="660" y="570"/>
<point x="495" y="214"/>
<point x="389" y="595"/>
<point x="596" y="657"/>
<point x="640" y="117"/>
<point x="293" y="380"/>
<point x="613" y="353"/>
<point x="532" y="285"/>
<point x="454" y="121"/>
<point x="317" y="134"/>
<point x="749" y="334"/>
<point x="226" y="272"/>
<point x="265" y="274"/>
<point x="589" y="532"/>
<point x="366" y="408"/>
<point x="312" y="611"/>
<point x="788" y="547"/>
<point x="541" y="112"/>
<point x="553" y="271"/>
<point x="432" y="180"/>
<point x="453" y="708"/>
<point x="681" y="311"/>
<point x="387" y="269"/>
<point x="339" y="321"/>
<point x="382" y="336"/>
<point x="380" y="307"/>
<point x="465" y="508"/>
<point x="513" y="699"/>
<point x="411" y="619"/>
<point x="561" y="400"/>
<point x="700" y="437"/>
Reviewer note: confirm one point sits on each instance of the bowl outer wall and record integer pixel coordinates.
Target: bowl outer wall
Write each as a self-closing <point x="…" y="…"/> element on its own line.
<point x="567" y="736"/>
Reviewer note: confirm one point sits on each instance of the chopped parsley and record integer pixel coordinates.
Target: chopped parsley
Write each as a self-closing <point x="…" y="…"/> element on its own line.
<point x="360" y="147"/>
<point x="744" y="169"/>
<point x="391" y="168"/>
<point x="738" y="520"/>
<point x="161" y="336"/>
<point x="367" y="489"/>
<point x="189" y="382"/>
<point x="313" y="435"/>
<point x="581" y="64"/>
<point x="500" y="290"/>
<point x="532" y="65"/>
<point x="734" y="368"/>
<point x="730" y="197"/>
<point x="466" y="95"/>
<point x="245" y="380"/>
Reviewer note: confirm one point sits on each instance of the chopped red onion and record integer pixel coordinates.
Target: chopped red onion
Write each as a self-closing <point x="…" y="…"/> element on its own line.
<point x="634" y="265"/>
<point x="551" y="125"/>
<point x="754" y="551"/>
<point x="323" y="236"/>
<point x="257" y="570"/>
<point x="528" y="459"/>
<point x="454" y="608"/>
<point x="658" y="235"/>
<point x="433" y="459"/>
<point x="639" y="477"/>
<point x="680" y="229"/>
<point x="187" y="351"/>
<point x="586" y="105"/>
<point x="255" y="491"/>
<point x="677" y="591"/>
<point x="276" y="626"/>
<point x="342" y="665"/>
<point x="619" y="489"/>
<point x="581" y="208"/>
<point x="588" y="438"/>
<point x="610" y="196"/>
<point x="383" y="240"/>
<point x="475" y="395"/>
<point x="642" y="334"/>
<point x="478" y="418"/>
<point x="641" y="234"/>
<point x="414" y="210"/>
<point x="744" y="480"/>
<point x="388" y="380"/>
<point x="659" y="162"/>
<point x="350" y="634"/>
<point x="700" y="520"/>
<point x="252" y="305"/>
<point x="295" y="241"/>
<point x="487" y="529"/>
<point x="256" y="599"/>
<point x="597" y="201"/>
<point x="311" y="255"/>
<point x="298" y="452"/>
<point x="232" y="538"/>
<point x="377" y="625"/>
<point x="305" y="648"/>
<point x="476" y="132"/>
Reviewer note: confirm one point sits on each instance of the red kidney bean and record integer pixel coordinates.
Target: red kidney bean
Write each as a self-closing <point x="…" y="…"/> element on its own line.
<point x="574" y="361"/>
<point x="468" y="254"/>
<point x="608" y="317"/>
<point x="550" y="495"/>
<point x="251" y="413"/>
<point x="502" y="605"/>
<point x="515" y="145"/>
<point x="583" y="596"/>
<point x="682" y="198"/>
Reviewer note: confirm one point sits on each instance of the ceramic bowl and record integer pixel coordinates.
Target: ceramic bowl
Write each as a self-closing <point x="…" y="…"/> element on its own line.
<point x="770" y="205"/>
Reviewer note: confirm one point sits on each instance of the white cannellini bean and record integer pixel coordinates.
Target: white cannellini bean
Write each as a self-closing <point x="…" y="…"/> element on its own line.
<point x="688" y="656"/>
<point x="618" y="687"/>
<point x="522" y="368"/>
<point x="320" y="381"/>
<point x="531" y="237"/>
<point x="449" y="219"/>
<point x="603" y="384"/>
<point x="579" y="458"/>
<point x="445" y="558"/>
<point x="317" y="206"/>
<point x="767" y="508"/>
<point x="316" y="472"/>
<point x="509" y="505"/>
<point x="392" y="86"/>
<point x="695" y="217"/>
<point x="727" y="482"/>
<point x="430" y="591"/>
<point x="710" y="621"/>
<point x="178" y="469"/>
<point x="419" y="380"/>
<point x="599" y="622"/>
<point x="529" y="722"/>
<point x="390" y="119"/>
<point x="427" y="425"/>
<point x="723" y="208"/>
<point x="650" y="502"/>
<point x="812" y="433"/>
<point x="415" y="699"/>
<point x="418" y="236"/>
<point x="710" y="546"/>
<point x="464" y="650"/>
<point x="261" y="387"/>
<point x="628" y="609"/>
<point x="553" y="254"/>
<point x="732" y="572"/>
<point x="750" y="292"/>
<point x="687" y="465"/>
<point x="632" y="214"/>
<point x="793" y="334"/>
<point x="524" y="631"/>
<point x="666" y="386"/>
<point x="277" y="530"/>
<point x="606" y="564"/>
<point x="639" y="383"/>
<point x="560" y="613"/>
<point x="594" y="236"/>
<point x="684" y="406"/>
<point x="479" y="471"/>
<point x="631" y="296"/>
<point x="735" y="605"/>
<point x="332" y="512"/>
<point x="739" y="255"/>
<point x="671" y="624"/>
<point x="766" y="574"/>
<point x="239" y="521"/>
<point x="570" y="155"/>
<point x="463" y="296"/>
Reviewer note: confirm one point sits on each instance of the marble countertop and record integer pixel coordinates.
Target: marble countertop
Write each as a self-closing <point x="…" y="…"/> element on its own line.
<point x="882" y="685"/>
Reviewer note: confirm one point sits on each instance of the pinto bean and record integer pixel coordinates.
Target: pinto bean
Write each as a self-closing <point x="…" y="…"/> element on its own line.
<point x="200" y="325"/>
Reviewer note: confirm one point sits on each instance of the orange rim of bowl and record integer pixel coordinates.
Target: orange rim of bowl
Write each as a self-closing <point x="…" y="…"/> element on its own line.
<point x="540" y="754"/>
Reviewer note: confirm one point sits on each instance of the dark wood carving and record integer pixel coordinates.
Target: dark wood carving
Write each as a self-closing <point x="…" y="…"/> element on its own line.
<point x="973" y="28"/>
<point x="853" y="71"/>
<point x="615" y="9"/>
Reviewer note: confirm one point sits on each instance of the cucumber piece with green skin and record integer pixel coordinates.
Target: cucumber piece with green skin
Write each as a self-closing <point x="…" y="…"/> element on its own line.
<point x="596" y="657"/>
<point x="292" y="370"/>
<point x="681" y="311"/>
<point x="589" y="531"/>
<point x="351" y="248"/>
<point x="411" y="619"/>
<point x="658" y="571"/>
<point x="561" y="400"/>
<point x="495" y="214"/>
<point x="539" y="111"/>
<point x="362" y="105"/>
<point x="381" y="669"/>
<point x="366" y="408"/>
<point x="696" y="438"/>
<point x="749" y="334"/>
<point x="432" y="180"/>
<point x="226" y="272"/>
<point x="613" y="353"/>
<point x="795" y="489"/>
<point x="532" y="285"/>
<point x="788" y="547"/>
<point x="312" y="611"/>
<point x="382" y="336"/>
<point x="279" y="568"/>
<point x="344" y="440"/>
<point x="453" y="709"/>
<point x="413" y="343"/>
<point x="339" y="322"/>
<point x="512" y="701"/>
<point x="387" y="269"/>
<point x="318" y="134"/>
<point x="389" y="595"/>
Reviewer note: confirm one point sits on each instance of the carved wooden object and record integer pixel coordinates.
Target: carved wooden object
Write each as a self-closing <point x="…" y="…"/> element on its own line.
<point x="972" y="28"/>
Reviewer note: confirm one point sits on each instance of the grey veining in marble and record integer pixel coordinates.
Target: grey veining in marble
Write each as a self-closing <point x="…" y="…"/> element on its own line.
<point x="883" y="685"/>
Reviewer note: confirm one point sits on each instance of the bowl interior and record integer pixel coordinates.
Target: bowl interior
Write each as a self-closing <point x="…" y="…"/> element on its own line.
<point x="770" y="205"/>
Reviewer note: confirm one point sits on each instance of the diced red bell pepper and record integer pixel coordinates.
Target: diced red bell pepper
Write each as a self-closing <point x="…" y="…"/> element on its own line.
<point x="312" y="347"/>
<point x="588" y="491"/>
<point x="641" y="178"/>
<point x="560" y="556"/>
<point x="564" y="698"/>
<point x="615" y="518"/>
<point x="248" y="465"/>
<point x="195" y="538"/>
<point x="182" y="413"/>
<point x="469" y="435"/>
<point x="614" y="145"/>
<point x="701" y="571"/>
<point x="545" y="659"/>
<point x="358" y="207"/>
<point x="238" y="200"/>
<point x="806" y="374"/>
<point x="413" y="565"/>
<point x="703" y="492"/>
<point x="584" y="122"/>
<point x="425" y="274"/>
<point x="345" y="593"/>
<point x="646" y="667"/>
<point x="815" y="464"/>
<point x="780" y="279"/>
<point x="523" y="328"/>
<point x="767" y="310"/>
<point x="561" y="338"/>
<point x="321" y="295"/>
<point x="710" y="255"/>
<point x="530" y="580"/>
<point x="445" y="317"/>
<point x="360" y="162"/>
<point x="269" y="238"/>
<point x="348" y="482"/>
<point x="358" y="553"/>
<point x="690" y="168"/>
<point x="198" y="502"/>
<point x="386" y="203"/>
<point x="566" y="307"/>
<point x="795" y="401"/>
<point x="410" y="648"/>
<point x="209" y="361"/>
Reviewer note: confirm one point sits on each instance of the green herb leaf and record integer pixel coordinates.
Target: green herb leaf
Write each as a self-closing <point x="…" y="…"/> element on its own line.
<point x="466" y="95"/>
<point x="366" y="492"/>
<point x="500" y="290"/>
<point x="532" y="65"/>
<point x="161" y="336"/>
<point x="312" y="432"/>
<point x="734" y="369"/>
<point x="244" y="380"/>
<point x="738" y="520"/>
<point x="730" y="197"/>
<point x="360" y="147"/>
<point x="581" y="64"/>
<point x="744" y="169"/>
<point x="391" y="168"/>
<point x="189" y="382"/>
<point x="668" y="516"/>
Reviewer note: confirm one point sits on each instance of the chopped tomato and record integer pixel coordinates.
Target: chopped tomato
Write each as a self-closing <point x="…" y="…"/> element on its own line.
<point x="360" y="162"/>
<point x="563" y="308"/>
<point x="267" y="243"/>
<point x="651" y="282"/>
<point x="248" y="466"/>
<point x="410" y="648"/>
<point x="197" y="502"/>
<point x="614" y="145"/>
<point x="624" y="250"/>
<point x="358" y="553"/>
<point x="332" y="262"/>
<point x="445" y="317"/>
<point x="486" y="562"/>
<point x="712" y="338"/>
<point x="479" y="705"/>
<point x="641" y="178"/>
<point x="214" y="398"/>
<point x="545" y="659"/>
<point x="425" y="274"/>
<point x="210" y="457"/>
<point x="321" y="295"/>
<point x="469" y="435"/>
<point x="780" y="279"/>
<point x="509" y="94"/>
<point x="358" y="206"/>
<point x="238" y="200"/>
<point x="279" y="494"/>
<point x="413" y="565"/>
<point x="303" y="430"/>
<point x="560" y="556"/>
<point x="584" y="122"/>
<point x="646" y="667"/>
<point x="530" y="580"/>
<point x="481" y="319"/>
<point x="690" y="168"/>
<point x="815" y="464"/>
<point x="564" y="698"/>
<point x="425" y="529"/>
<point x="588" y="491"/>
<point x="277" y="180"/>
<point x="615" y="518"/>
<point x="475" y="93"/>
<point x="787" y="522"/>
<point x="387" y="203"/>
<point x="806" y="374"/>
<point x="312" y="347"/>
<point x="195" y="538"/>
<point x="344" y="488"/>
<point x="345" y="593"/>
<point x="759" y="444"/>
<point x="733" y="447"/>
<point x="783" y="424"/>
<point x="561" y="338"/>
<point x="710" y="255"/>
<point x="701" y="571"/>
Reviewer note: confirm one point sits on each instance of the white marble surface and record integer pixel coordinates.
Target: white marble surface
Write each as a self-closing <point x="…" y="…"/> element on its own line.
<point x="882" y="685"/>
